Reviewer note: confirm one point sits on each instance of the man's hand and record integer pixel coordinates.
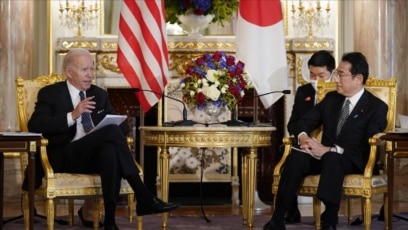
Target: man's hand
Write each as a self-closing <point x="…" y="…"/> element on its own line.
<point x="86" y="105"/>
<point x="314" y="147"/>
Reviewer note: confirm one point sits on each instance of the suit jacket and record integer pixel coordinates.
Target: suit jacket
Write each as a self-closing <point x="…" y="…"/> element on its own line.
<point x="304" y="102"/>
<point x="368" y="117"/>
<point x="50" y="119"/>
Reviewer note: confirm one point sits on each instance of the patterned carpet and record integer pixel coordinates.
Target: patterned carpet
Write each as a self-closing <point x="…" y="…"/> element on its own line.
<point x="227" y="222"/>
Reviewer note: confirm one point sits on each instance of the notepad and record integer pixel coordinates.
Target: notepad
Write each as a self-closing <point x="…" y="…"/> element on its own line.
<point x="20" y="134"/>
<point x="297" y="148"/>
<point x="403" y="121"/>
<point x="110" y="119"/>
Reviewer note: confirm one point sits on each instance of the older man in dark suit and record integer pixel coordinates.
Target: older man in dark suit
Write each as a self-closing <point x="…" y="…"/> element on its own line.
<point x="350" y="116"/>
<point x="321" y="65"/>
<point x="62" y="116"/>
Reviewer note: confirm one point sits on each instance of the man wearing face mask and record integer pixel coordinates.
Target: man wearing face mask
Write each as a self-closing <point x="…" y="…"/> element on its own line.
<point x="321" y="64"/>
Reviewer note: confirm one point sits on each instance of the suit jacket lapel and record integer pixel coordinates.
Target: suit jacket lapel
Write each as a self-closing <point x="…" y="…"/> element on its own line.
<point x="65" y="97"/>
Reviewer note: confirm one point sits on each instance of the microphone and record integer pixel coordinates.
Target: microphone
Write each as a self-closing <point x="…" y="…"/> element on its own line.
<point x="262" y="124"/>
<point x="234" y="120"/>
<point x="286" y="91"/>
<point x="183" y="122"/>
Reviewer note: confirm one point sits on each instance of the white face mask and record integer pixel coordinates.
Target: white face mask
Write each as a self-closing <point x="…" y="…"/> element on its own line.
<point x="314" y="83"/>
<point x="329" y="79"/>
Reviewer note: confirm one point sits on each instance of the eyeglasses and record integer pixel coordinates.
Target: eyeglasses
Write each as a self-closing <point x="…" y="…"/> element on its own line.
<point x="337" y="76"/>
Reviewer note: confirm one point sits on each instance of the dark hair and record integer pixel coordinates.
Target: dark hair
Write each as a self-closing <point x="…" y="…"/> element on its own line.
<point x="358" y="63"/>
<point x="322" y="58"/>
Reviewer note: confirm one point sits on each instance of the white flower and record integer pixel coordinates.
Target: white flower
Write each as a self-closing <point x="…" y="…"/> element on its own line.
<point x="192" y="163"/>
<point x="173" y="150"/>
<point x="204" y="82"/>
<point x="192" y="93"/>
<point x="212" y="92"/>
<point x="176" y="161"/>
<point x="185" y="153"/>
<point x="212" y="75"/>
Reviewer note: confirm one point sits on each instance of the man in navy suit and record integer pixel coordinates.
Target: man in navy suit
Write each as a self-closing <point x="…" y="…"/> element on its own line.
<point x="321" y="65"/>
<point x="58" y="115"/>
<point x="343" y="150"/>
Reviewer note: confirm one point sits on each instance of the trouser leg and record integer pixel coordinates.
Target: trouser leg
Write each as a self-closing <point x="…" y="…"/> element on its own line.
<point x="296" y="167"/>
<point x="334" y="168"/>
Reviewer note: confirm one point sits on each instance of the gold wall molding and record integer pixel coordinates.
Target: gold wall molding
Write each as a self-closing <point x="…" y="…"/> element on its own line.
<point x="183" y="49"/>
<point x="312" y="44"/>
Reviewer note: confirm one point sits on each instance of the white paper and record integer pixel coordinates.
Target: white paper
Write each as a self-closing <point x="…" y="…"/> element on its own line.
<point x="303" y="151"/>
<point x="403" y="121"/>
<point x="400" y="130"/>
<point x="110" y="119"/>
<point x="27" y="134"/>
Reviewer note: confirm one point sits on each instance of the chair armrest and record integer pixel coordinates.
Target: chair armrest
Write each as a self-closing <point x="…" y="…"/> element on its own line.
<point x="49" y="172"/>
<point x="374" y="143"/>
<point x="287" y="142"/>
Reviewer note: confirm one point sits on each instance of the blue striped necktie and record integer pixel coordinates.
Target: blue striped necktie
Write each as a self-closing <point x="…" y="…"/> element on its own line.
<point x="86" y="117"/>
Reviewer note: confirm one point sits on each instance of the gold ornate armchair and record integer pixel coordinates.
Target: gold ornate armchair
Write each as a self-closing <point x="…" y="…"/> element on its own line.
<point x="363" y="186"/>
<point x="61" y="185"/>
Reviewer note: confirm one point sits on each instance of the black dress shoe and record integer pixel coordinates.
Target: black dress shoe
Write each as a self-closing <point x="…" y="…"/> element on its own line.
<point x="156" y="206"/>
<point x="86" y="223"/>
<point x="293" y="217"/>
<point x="111" y="227"/>
<point x="272" y="225"/>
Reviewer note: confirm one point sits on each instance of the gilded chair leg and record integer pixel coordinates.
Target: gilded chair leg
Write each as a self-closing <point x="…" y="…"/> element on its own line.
<point x="25" y="210"/>
<point x="367" y="213"/>
<point x="130" y="206"/>
<point x="316" y="212"/>
<point x="349" y="210"/>
<point x="139" y="223"/>
<point x="50" y="213"/>
<point x="96" y="213"/>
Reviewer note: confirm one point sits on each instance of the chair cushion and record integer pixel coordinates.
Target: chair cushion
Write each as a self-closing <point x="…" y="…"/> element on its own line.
<point x="350" y="181"/>
<point x="73" y="180"/>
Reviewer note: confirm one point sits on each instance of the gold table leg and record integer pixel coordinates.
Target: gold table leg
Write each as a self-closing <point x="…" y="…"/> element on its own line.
<point x="164" y="180"/>
<point x="251" y="177"/>
<point x="244" y="173"/>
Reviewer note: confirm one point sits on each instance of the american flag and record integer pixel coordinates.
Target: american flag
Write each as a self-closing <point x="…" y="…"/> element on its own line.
<point x="142" y="53"/>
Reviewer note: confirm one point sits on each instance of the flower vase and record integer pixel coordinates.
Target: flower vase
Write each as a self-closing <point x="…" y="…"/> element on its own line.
<point x="213" y="111"/>
<point x="195" y="23"/>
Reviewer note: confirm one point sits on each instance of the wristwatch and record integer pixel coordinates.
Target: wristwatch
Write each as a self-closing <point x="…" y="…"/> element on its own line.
<point x="337" y="149"/>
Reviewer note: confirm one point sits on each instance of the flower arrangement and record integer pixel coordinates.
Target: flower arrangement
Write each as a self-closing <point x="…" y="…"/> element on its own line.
<point x="216" y="79"/>
<point x="221" y="9"/>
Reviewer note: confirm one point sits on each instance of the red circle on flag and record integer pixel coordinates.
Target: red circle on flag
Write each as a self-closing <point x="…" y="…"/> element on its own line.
<point x="261" y="12"/>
